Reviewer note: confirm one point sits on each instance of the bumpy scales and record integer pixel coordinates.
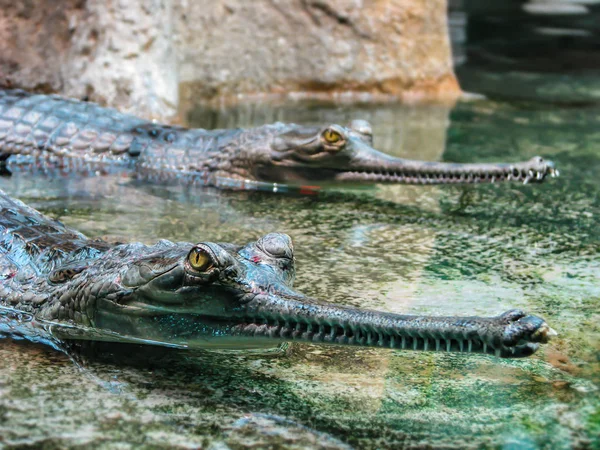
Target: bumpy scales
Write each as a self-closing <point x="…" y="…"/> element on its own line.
<point x="50" y="131"/>
<point x="214" y="295"/>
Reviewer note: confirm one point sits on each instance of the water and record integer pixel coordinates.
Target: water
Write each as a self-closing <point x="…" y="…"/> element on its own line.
<point x="432" y="250"/>
<point x="424" y="250"/>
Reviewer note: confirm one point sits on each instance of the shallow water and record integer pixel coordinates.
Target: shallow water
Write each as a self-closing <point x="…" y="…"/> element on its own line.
<point x="433" y="250"/>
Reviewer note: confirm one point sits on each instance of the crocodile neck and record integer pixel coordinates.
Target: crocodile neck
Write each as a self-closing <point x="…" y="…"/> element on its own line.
<point x="35" y="253"/>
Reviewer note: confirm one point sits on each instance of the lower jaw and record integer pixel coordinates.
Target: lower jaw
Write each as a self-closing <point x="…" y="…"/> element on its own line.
<point x="339" y="336"/>
<point x="439" y="178"/>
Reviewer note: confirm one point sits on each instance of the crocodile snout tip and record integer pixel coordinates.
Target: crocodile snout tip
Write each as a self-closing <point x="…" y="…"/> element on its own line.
<point x="544" y="333"/>
<point x="551" y="169"/>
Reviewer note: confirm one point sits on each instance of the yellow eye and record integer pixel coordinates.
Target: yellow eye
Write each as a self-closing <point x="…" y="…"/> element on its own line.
<point x="200" y="260"/>
<point x="332" y="136"/>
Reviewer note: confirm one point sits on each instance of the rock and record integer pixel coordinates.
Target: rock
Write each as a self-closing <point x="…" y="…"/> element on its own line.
<point x="140" y="55"/>
<point x="395" y="48"/>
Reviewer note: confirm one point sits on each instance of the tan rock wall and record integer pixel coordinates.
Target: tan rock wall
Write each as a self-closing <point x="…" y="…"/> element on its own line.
<point x="142" y="54"/>
<point x="122" y="54"/>
<point x="394" y="47"/>
<point x="34" y="37"/>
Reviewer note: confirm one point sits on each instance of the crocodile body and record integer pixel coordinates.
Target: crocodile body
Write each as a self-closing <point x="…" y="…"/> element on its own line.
<point x="213" y="295"/>
<point x="50" y="131"/>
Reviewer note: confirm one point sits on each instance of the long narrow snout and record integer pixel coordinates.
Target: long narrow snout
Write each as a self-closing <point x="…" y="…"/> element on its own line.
<point x="512" y="334"/>
<point x="370" y="165"/>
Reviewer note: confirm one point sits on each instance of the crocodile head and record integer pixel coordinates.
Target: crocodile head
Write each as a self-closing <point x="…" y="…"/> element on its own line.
<point x="221" y="295"/>
<point x="296" y="154"/>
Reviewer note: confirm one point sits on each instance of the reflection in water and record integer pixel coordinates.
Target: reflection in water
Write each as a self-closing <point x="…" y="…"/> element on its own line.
<point x="405" y="131"/>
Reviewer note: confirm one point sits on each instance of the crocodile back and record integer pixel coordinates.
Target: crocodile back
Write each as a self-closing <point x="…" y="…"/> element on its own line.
<point x="51" y="131"/>
<point x="31" y="244"/>
<point x="65" y="127"/>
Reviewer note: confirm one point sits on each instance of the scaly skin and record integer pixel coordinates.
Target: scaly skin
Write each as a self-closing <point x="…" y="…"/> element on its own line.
<point x="214" y="295"/>
<point x="52" y="131"/>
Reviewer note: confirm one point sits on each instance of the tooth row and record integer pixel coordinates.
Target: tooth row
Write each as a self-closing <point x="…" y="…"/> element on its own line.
<point x="295" y="330"/>
<point x="449" y="177"/>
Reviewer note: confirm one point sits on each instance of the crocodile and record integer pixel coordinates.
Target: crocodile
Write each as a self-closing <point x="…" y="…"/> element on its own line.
<point x="214" y="295"/>
<point x="51" y="131"/>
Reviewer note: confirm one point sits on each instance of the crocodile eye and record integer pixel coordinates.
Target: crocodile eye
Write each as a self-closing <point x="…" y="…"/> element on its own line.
<point x="332" y="136"/>
<point x="200" y="260"/>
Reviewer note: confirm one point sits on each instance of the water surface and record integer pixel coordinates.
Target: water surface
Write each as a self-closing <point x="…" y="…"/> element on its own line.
<point x="424" y="250"/>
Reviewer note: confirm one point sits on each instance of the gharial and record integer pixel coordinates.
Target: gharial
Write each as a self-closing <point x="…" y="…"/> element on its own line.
<point x="81" y="136"/>
<point x="213" y="295"/>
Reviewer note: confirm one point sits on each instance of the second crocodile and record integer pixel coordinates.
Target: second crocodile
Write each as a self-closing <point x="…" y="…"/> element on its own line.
<point x="51" y="131"/>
